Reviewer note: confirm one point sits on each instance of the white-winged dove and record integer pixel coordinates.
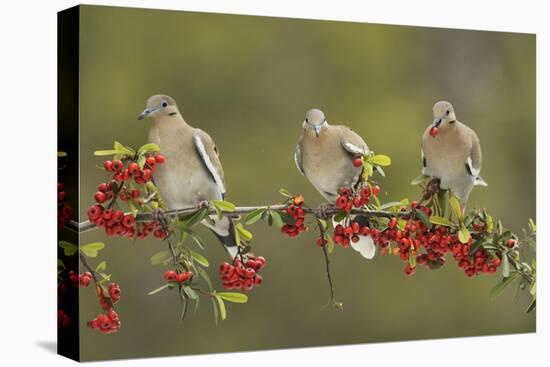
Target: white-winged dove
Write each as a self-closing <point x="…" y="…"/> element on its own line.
<point x="451" y="152"/>
<point x="192" y="173"/>
<point x="325" y="155"/>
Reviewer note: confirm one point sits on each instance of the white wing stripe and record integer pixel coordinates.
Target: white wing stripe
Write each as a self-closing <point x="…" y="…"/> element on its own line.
<point x="206" y="159"/>
<point x="353" y="149"/>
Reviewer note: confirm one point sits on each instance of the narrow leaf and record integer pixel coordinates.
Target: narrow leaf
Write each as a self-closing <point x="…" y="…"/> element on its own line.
<point x="505" y="266"/>
<point x="149" y="148"/>
<point x="199" y="258"/>
<point x="224" y="205"/>
<point x="254" y="216"/>
<point x="441" y="221"/>
<point x="277" y="219"/>
<point x="500" y="286"/>
<point x="221" y="305"/>
<point x="234" y="297"/>
<point x="161" y="288"/>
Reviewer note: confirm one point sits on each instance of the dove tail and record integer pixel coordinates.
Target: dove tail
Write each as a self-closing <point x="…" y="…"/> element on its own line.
<point x="224" y="229"/>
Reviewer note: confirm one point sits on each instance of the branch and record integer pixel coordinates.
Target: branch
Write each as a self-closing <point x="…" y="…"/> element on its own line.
<point x="241" y="210"/>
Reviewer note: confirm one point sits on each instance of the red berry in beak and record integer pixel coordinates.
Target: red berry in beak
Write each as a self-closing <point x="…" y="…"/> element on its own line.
<point x="358" y="162"/>
<point x="434" y="131"/>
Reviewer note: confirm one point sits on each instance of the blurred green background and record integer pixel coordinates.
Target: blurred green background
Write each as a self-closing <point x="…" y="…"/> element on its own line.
<point x="248" y="82"/>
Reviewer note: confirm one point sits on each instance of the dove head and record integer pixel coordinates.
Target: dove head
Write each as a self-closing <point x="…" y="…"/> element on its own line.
<point x="159" y="105"/>
<point x="315" y="120"/>
<point x="443" y="112"/>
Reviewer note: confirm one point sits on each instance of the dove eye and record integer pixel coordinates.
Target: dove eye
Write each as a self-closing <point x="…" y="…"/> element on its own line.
<point x="447" y="113"/>
<point x="164" y="104"/>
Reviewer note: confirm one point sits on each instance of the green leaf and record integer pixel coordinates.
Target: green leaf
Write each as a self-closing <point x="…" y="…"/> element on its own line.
<point x="500" y="286"/>
<point x="380" y="171"/>
<point x="234" y="297"/>
<point x="221" y="305"/>
<point x="91" y="249"/>
<point x="246" y="235"/>
<point x="141" y="161"/>
<point x="532" y="225"/>
<point x="226" y="206"/>
<point x="285" y="193"/>
<point x="463" y="234"/>
<point x="191" y="219"/>
<point x="531" y="306"/>
<point x="380" y="160"/>
<point x="205" y="276"/>
<point x="330" y="245"/>
<point x="190" y="292"/>
<point x="194" y="236"/>
<point x="199" y="258"/>
<point x="455" y="205"/>
<point x="490" y="223"/>
<point x="148" y="148"/>
<point x="505" y="266"/>
<point x="68" y="248"/>
<point x="254" y="216"/>
<point x="161" y="288"/>
<point x="419" y="179"/>
<point x="391" y="204"/>
<point x="216" y="312"/>
<point x="276" y="217"/>
<point x="133" y="207"/>
<point x="412" y="258"/>
<point x="160" y="257"/>
<point x="441" y="221"/>
<point x="106" y="152"/>
<point x="101" y="267"/>
<point x="424" y="218"/>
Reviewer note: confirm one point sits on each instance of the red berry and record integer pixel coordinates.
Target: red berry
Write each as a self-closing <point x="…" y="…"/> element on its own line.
<point x="100" y="197"/>
<point x="434" y="131"/>
<point x="358" y="162"/>
<point x="511" y="242"/>
<point x="133" y="168"/>
<point x="117" y="165"/>
<point x="108" y="165"/>
<point x="376" y="190"/>
<point x="150" y="161"/>
<point x="128" y="221"/>
<point x="182" y="277"/>
<point x="160" y="159"/>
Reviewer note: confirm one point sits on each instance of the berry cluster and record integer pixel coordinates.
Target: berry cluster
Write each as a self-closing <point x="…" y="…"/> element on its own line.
<point x="64" y="210"/>
<point x="116" y="222"/>
<point x="107" y="322"/>
<point x="173" y="276"/>
<point x="133" y="170"/>
<point x="349" y="199"/>
<point x="436" y="242"/>
<point x="344" y="235"/>
<point x="242" y="277"/>
<point x="296" y="211"/>
<point x="80" y="280"/>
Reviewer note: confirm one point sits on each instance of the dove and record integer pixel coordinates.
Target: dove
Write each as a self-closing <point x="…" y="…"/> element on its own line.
<point x="192" y="173"/>
<point x="324" y="155"/>
<point x="451" y="152"/>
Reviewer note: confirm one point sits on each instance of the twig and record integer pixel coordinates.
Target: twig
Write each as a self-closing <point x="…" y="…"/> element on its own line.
<point x="327" y="261"/>
<point x="147" y="217"/>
